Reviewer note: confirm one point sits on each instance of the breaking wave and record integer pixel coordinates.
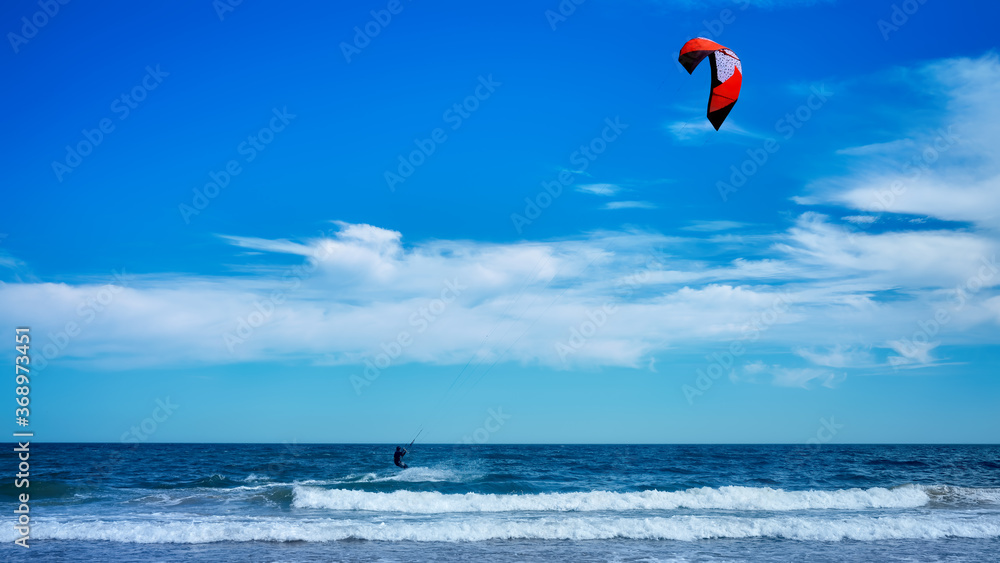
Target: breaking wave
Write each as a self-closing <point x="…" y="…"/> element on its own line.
<point x="722" y="498"/>
<point x="482" y="528"/>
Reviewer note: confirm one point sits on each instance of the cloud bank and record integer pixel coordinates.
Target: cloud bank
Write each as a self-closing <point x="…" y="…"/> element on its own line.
<point x="862" y="293"/>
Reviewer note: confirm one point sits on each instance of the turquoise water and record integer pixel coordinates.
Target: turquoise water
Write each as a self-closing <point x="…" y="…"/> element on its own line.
<point x="225" y="502"/>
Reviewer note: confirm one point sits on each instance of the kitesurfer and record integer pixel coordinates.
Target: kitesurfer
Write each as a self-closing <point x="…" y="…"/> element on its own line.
<point x="397" y="457"/>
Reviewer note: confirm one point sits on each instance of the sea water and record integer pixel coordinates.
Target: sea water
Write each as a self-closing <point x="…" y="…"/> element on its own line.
<point x="288" y="502"/>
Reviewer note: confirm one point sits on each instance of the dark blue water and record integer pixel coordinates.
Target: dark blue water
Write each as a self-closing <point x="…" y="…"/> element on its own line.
<point x="225" y="502"/>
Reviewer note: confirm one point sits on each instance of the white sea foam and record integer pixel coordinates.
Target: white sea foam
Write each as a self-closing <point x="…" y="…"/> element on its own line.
<point x="484" y="527"/>
<point x="411" y="475"/>
<point x="723" y="498"/>
<point x="947" y="494"/>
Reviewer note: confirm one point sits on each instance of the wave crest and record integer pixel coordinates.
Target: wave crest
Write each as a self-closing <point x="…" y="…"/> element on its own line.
<point x="723" y="498"/>
<point x="482" y="528"/>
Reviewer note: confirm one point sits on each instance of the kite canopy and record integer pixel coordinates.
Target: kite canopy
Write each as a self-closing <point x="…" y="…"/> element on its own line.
<point x="727" y="75"/>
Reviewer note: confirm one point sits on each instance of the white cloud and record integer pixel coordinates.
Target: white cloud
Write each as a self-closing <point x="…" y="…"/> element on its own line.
<point x="890" y="147"/>
<point x="804" y="377"/>
<point x="9" y="262"/>
<point x="949" y="171"/>
<point x="993" y="306"/>
<point x="691" y="129"/>
<point x="838" y="356"/>
<point x="599" y="189"/>
<point x="697" y="128"/>
<point x="861" y="219"/>
<point x="349" y="293"/>
<point x="612" y="205"/>
<point x="909" y="258"/>
<point x="912" y="352"/>
<point x="759" y="372"/>
<point x="353" y="291"/>
<point x="711" y="226"/>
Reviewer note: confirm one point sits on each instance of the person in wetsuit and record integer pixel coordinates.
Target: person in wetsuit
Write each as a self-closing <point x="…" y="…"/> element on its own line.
<point x="397" y="457"/>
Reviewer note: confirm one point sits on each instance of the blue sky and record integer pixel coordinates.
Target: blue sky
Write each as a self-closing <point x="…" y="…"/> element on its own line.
<point x="850" y="276"/>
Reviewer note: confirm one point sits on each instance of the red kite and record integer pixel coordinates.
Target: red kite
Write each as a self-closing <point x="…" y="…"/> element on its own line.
<point x="727" y="75"/>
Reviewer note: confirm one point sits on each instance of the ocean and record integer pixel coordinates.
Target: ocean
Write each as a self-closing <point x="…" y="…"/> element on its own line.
<point x="274" y="502"/>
